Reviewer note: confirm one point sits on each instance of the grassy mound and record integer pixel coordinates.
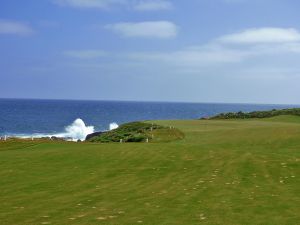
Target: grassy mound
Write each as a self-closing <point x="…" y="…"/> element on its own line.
<point x="138" y="132"/>
<point x="257" y="114"/>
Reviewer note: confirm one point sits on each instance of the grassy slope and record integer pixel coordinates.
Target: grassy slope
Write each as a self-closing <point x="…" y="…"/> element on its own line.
<point x="223" y="172"/>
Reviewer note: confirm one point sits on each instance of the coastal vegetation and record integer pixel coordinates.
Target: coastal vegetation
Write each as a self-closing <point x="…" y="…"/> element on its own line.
<point x="137" y="132"/>
<point x="257" y="114"/>
<point x="221" y="172"/>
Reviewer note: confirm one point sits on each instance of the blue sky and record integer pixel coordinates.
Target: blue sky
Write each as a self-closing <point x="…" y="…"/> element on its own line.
<point x="242" y="51"/>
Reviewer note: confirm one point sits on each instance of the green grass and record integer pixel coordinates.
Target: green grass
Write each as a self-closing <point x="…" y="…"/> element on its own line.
<point x="221" y="172"/>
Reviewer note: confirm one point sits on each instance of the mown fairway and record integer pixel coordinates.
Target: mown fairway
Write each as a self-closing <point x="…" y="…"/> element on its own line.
<point x="222" y="172"/>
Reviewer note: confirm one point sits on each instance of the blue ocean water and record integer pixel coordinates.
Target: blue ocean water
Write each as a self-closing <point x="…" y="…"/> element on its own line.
<point x="27" y="117"/>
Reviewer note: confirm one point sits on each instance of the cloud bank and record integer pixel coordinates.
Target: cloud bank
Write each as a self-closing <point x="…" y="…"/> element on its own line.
<point x="139" y="5"/>
<point x="153" y="5"/>
<point x="233" y="48"/>
<point x="147" y="29"/>
<point x="15" y="28"/>
<point x="85" y="54"/>
<point x="262" y="35"/>
<point x="100" y="4"/>
<point x="272" y="57"/>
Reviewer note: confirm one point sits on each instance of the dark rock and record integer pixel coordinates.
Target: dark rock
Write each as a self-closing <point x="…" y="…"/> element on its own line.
<point x="90" y="136"/>
<point x="54" y="138"/>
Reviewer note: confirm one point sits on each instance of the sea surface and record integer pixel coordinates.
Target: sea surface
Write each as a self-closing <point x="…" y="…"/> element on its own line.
<point x="76" y="119"/>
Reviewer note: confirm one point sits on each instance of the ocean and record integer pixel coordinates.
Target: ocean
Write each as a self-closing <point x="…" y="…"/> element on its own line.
<point x="75" y="119"/>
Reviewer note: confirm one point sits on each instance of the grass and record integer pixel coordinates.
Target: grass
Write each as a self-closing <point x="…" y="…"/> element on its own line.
<point x="221" y="172"/>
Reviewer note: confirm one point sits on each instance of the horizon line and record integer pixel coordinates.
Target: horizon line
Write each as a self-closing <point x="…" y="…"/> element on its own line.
<point x="148" y="101"/>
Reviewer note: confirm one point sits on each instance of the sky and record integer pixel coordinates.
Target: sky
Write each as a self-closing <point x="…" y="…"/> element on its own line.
<point x="227" y="51"/>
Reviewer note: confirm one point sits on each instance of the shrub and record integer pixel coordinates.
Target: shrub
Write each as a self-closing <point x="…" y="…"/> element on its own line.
<point x="129" y="132"/>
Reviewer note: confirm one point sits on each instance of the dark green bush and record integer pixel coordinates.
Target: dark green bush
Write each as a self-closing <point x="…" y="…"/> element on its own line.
<point x="137" y="138"/>
<point x="129" y="132"/>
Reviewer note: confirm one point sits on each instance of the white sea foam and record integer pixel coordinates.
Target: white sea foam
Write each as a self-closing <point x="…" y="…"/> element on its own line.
<point x="74" y="132"/>
<point x="113" y="126"/>
<point x="77" y="130"/>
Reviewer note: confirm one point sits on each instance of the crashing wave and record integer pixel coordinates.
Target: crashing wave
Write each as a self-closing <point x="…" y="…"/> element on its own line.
<point x="74" y="132"/>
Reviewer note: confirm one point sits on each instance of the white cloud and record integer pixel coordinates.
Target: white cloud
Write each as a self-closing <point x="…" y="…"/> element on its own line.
<point x="229" y="50"/>
<point x="203" y="56"/>
<point x="153" y="5"/>
<point x="213" y="55"/>
<point x="85" y="54"/>
<point x="140" y="5"/>
<point x="15" y="28"/>
<point x="102" y="4"/>
<point x="147" y="29"/>
<point x="262" y="35"/>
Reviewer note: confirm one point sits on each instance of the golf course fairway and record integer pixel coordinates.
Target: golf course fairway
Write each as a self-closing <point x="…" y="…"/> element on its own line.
<point x="221" y="172"/>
